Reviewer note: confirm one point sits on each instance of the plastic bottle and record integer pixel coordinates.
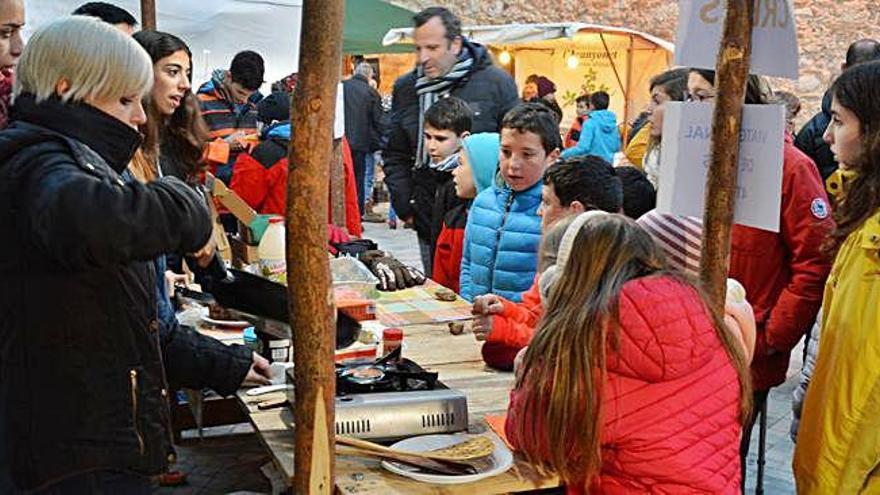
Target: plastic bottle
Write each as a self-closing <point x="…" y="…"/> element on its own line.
<point x="273" y="264"/>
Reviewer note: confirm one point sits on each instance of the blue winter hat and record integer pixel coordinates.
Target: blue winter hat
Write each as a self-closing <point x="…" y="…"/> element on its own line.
<point x="482" y="152"/>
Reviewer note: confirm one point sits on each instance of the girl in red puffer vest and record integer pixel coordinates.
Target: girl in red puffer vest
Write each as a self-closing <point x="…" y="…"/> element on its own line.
<point x="631" y="383"/>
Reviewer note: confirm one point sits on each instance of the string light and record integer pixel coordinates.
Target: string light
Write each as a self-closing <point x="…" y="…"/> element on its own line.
<point x="573" y="61"/>
<point x="504" y="58"/>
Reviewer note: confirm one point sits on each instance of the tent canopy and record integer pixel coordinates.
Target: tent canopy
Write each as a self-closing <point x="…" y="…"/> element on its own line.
<point x="524" y="34"/>
<point x="578" y="57"/>
<point x="216" y="30"/>
<point x="367" y="21"/>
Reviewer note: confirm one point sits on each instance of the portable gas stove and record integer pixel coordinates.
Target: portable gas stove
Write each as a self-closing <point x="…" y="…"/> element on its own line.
<point x="393" y="398"/>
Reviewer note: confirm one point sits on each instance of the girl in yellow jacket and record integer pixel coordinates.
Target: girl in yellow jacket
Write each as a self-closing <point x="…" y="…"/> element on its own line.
<point x="838" y="444"/>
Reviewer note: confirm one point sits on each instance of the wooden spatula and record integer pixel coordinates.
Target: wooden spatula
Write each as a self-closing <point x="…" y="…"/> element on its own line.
<point x="451" y="468"/>
<point x="477" y="447"/>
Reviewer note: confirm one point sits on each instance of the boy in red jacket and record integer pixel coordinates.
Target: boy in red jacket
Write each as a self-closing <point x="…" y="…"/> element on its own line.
<point x="570" y="187"/>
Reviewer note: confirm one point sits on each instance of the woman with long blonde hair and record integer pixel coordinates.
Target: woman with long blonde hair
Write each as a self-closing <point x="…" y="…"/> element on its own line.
<point x="632" y="384"/>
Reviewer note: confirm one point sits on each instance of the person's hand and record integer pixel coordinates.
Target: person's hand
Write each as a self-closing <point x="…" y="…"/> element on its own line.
<point x="392" y="274"/>
<point x="488" y="304"/>
<point x="171" y="279"/>
<point x="409" y="222"/>
<point x="204" y="256"/>
<point x="234" y="141"/>
<point x="483" y="327"/>
<point x="259" y="374"/>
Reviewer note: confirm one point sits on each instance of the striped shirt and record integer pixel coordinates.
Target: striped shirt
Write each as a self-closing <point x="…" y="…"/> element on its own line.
<point x="678" y="236"/>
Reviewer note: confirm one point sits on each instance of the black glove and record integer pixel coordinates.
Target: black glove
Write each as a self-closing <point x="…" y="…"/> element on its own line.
<point x="392" y="274"/>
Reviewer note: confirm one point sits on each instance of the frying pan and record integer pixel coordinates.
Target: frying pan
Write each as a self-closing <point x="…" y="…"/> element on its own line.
<point x="249" y="293"/>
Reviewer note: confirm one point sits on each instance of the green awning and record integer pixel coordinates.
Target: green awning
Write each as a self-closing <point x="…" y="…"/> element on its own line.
<point x="367" y="21"/>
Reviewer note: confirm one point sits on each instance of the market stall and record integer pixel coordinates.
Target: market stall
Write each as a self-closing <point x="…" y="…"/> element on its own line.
<point x="580" y="58"/>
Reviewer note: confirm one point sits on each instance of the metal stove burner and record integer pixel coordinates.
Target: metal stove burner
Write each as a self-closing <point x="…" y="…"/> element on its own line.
<point x="393" y="398"/>
<point x="363" y="375"/>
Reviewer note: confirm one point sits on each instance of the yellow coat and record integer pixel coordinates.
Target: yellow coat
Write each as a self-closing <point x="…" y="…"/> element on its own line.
<point x="838" y="443"/>
<point x="635" y="149"/>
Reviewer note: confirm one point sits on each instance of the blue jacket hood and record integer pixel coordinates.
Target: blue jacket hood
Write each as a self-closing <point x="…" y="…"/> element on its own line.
<point x="482" y="152"/>
<point x="606" y="120"/>
<point x="280" y="130"/>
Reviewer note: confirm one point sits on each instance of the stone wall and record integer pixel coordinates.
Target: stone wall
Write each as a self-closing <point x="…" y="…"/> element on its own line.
<point x="825" y="28"/>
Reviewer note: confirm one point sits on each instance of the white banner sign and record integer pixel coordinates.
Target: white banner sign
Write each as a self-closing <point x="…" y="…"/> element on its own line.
<point x="774" y="38"/>
<point x="339" y="121"/>
<point x="684" y="162"/>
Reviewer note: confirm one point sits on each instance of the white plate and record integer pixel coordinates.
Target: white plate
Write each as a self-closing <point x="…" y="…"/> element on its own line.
<point x="227" y="323"/>
<point x="502" y="457"/>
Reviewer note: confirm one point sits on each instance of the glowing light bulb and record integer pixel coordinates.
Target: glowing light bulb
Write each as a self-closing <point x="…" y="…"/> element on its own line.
<point x="504" y="58"/>
<point x="573" y="61"/>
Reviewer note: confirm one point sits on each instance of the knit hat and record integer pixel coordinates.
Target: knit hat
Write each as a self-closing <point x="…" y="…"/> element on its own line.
<point x="482" y="152"/>
<point x="545" y="87"/>
<point x="551" y="275"/>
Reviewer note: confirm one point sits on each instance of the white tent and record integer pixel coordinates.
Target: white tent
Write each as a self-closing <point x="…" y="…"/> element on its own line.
<point x="215" y="30"/>
<point x="579" y="58"/>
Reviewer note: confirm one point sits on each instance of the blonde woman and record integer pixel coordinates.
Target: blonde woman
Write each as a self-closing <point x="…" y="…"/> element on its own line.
<point x="83" y="398"/>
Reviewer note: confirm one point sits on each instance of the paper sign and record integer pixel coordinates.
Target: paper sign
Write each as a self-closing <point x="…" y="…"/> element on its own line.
<point x="774" y="38"/>
<point x="684" y="162"/>
<point x="339" y="120"/>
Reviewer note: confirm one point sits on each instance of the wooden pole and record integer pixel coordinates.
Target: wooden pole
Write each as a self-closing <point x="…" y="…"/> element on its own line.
<point x="337" y="186"/>
<point x="148" y="15"/>
<point x="308" y="272"/>
<point x="730" y="82"/>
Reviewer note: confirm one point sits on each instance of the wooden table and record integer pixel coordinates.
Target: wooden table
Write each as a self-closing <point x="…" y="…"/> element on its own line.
<point x="457" y="359"/>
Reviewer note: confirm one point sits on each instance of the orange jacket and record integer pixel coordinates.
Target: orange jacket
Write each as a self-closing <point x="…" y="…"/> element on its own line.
<point x="513" y="328"/>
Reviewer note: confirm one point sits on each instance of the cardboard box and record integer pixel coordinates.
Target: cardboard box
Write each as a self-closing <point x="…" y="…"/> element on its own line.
<point x="233" y="202"/>
<point x="242" y="252"/>
<point x="357" y="309"/>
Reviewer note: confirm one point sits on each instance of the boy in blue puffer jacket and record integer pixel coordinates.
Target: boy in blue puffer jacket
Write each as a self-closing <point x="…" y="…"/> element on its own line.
<point x="503" y="227"/>
<point x="599" y="135"/>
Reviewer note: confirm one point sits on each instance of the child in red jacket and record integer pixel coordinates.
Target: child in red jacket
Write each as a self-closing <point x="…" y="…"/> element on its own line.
<point x="631" y="383"/>
<point x="570" y="187"/>
<point x="478" y="163"/>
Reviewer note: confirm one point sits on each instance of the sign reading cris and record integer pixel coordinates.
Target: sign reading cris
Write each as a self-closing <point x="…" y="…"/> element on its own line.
<point x="774" y="38"/>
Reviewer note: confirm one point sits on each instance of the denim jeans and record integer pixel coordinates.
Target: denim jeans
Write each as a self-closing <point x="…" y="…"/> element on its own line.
<point x="369" y="174"/>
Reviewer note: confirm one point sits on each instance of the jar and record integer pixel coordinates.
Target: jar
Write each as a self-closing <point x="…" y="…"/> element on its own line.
<point x="392" y="339"/>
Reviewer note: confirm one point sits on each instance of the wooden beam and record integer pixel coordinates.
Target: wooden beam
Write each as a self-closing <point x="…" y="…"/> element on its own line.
<point x="308" y="272"/>
<point x="730" y="83"/>
<point x="148" y="15"/>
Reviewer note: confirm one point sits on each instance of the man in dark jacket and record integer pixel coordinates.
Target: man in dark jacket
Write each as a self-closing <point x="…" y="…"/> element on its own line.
<point x="85" y="364"/>
<point x="810" y="138"/>
<point x="363" y="122"/>
<point x="448" y="64"/>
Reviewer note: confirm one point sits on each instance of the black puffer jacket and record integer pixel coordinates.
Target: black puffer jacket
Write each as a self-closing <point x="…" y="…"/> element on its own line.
<point x="82" y="382"/>
<point x="489" y="91"/>
<point x="810" y="139"/>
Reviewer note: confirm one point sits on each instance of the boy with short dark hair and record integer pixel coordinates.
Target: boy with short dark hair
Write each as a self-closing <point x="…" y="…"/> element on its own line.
<point x="639" y="195"/>
<point x="447" y="123"/>
<point x="503" y="227"/>
<point x="228" y="104"/>
<point x="583" y="113"/>
<point x="569" y="188"/>
<point x="599" y="135"/>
